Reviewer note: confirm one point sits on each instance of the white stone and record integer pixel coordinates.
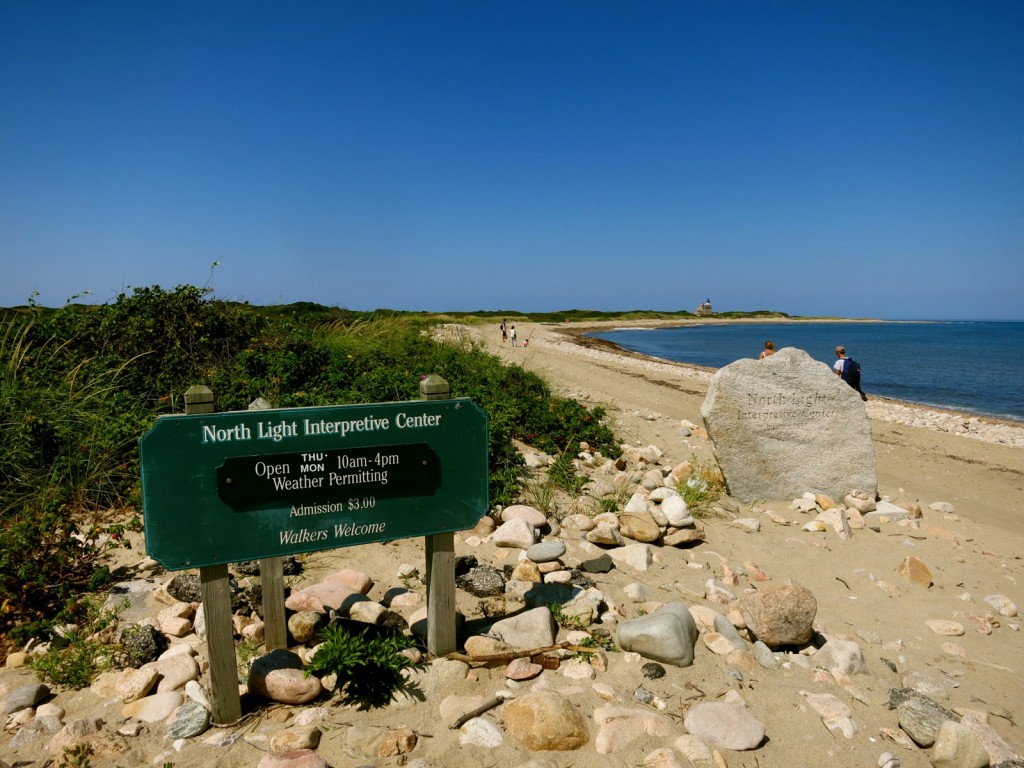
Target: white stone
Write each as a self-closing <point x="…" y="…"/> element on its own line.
<point x="638" y="556"/>
<point x="481" y="732"/>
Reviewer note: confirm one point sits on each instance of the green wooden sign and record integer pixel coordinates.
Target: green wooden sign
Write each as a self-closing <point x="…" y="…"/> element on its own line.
<point x="244" y="485"/>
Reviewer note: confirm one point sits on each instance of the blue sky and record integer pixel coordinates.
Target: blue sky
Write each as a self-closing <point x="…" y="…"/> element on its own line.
<point x="852" y="159"/>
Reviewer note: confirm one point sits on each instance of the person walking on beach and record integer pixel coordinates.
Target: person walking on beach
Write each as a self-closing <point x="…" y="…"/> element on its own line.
<point x="849" y="370"/>
<point x="513" y="332"/>
<point x="504" y="332"/>
<point x="769" y="349"/>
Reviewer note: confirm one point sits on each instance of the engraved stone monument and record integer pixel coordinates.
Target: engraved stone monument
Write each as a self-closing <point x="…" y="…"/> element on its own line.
<point x="785" y="425"/>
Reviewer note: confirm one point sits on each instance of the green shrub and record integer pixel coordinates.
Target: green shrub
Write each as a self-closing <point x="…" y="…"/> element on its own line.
<point x="368" y="666"/>
<point x="563" y="473"/>
<point x="79" y="385"/>
<point x="701" y="488"/>
<point x="76" y="664"/>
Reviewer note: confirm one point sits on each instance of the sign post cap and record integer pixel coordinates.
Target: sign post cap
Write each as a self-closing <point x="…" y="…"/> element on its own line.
<point x="433" y="387"/>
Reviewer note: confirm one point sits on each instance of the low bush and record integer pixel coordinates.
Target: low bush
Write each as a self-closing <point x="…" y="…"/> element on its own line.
<point x="367" y="665"/>
<point x="79" y="385"/>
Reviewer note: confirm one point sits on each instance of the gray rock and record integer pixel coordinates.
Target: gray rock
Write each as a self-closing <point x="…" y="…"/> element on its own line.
<point x="764" y="656"/>
<point x="191" y="720"/>
<point x="601" y="564"/>
<point x="780" y="614"/>
<point x="786" y="424"/>
<point x="642" y="695"/>
<point x="886" y="510"/>
<point x="185" y="587"/>
<point x="33" y="730"/>
<point x="546" y="551"/>
<point x="531" y="629"/>
<point x="921" y="718"/>
<point x="25" y="697"/>
<point x="727" y="724"/>
<point x="844" y="655"/>
<point x="482" y="581"/>
<point x="725" y="628"/>
<point x="667" y="635"/>
<point x="143" y="643"/>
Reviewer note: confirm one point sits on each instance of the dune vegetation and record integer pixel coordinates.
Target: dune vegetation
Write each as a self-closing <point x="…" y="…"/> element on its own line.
<point x="82" y="383"/>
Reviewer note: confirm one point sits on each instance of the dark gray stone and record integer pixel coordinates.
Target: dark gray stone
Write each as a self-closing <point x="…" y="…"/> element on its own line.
<point x="667" y="635"/>
<point x="725" y="628"/>
<point x="482" y="581"/>
<point x="601" y="564"/>
<point x="185" y="587"/>
<point x="142" y="643"/>
<point x="764" y="656"/>
<point x="546" y="551"/>
<point x="652" y="670"/>
<point x="921" y="718"/>
<point x="191" y="720"/>
<point x="25" y="697"/>
<point x="643" y="696"/>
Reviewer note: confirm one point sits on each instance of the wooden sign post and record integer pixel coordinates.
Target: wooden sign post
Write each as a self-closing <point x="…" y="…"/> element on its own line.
<point x="219" y="488"/>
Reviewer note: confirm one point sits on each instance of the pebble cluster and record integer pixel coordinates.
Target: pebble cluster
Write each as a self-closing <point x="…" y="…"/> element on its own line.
<point x="660" y="676"/>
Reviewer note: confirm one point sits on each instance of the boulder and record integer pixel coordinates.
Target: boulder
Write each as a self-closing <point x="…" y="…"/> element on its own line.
<point x="545" y="720"/>
<point x="780" y="614"/>
<point x="666" y="635"/>
<point x="785" y="424"/>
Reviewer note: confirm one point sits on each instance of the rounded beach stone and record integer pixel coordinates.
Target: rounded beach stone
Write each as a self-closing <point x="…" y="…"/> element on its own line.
<point x="514" y="533"/>
<point x="481" y="732"/>
<point x="844" y="655"/>
<point x="296" y="737"/>
<point x="725" y="723"/>
<point x="945" y="627"/>
<point x="278" y="676"/>
<point x="531" y="515"/>
<point x="639" y="525"/>
<point x="545" y="720"/>
<point x="956" y="746"/>
<point x="667" y="635"/>
<point x="190" y="720"/>
<point x="780" y="614"/>
<point x="546" y="551"/>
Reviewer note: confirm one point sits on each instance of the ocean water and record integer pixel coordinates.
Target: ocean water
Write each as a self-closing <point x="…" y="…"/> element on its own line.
<point x="972" y="366"/>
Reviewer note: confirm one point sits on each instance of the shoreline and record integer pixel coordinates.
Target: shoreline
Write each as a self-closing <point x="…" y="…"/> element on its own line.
<point x="895" y="410"/>
<point x="922" y="454"/>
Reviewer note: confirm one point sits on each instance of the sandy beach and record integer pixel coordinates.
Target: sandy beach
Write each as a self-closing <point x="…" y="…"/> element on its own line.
<point x="977" y="464"/>
<point x="974" y="554"/>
